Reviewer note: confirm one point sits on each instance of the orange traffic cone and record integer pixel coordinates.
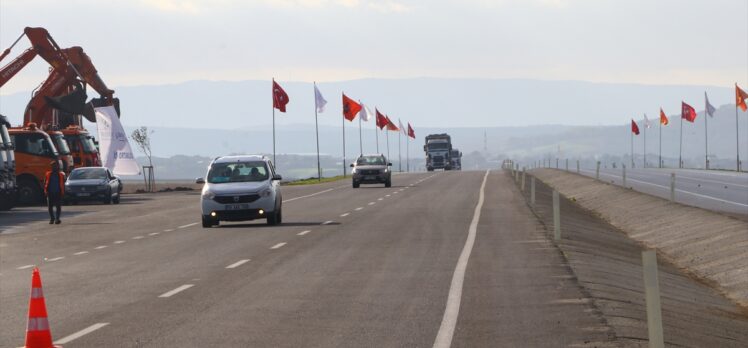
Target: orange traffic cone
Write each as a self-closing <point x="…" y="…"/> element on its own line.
<point x="37" y="330"/>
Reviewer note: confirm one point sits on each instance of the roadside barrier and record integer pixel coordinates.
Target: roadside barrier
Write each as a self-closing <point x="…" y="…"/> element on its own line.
<point x="556" y="216"/>
<point x="38" y="334"/>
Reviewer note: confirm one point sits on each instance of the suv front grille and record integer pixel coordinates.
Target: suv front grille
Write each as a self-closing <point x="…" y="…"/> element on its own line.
<point x="236" y="199"/>
<point x="370" y="172"/>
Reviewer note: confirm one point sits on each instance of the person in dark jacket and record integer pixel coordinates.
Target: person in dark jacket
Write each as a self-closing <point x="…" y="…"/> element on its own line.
<point x="54" y="189"/>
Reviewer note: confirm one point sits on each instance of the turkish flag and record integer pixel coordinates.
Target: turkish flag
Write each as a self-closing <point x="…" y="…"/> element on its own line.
<point x="280" y="98"/>
<point x="381" y="120"/>
<point x="687" y="113"/>
<point x="663" y="118"/>
<point x="634" y="127"/>
<point x="350" y="108"/>
<point x="740" y="97"/>
<point x="391" y="125"/>
<point x="411" y="132"/>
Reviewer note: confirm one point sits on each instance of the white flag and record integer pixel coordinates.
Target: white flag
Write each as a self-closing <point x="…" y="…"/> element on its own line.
<point x="115" y="150"/>
<point x="402" y="128"/>
<point x="646" y="121"/>
<point x="319" y="101"/>
<point x="365" y="113"/>
<point x="709" y="108"/>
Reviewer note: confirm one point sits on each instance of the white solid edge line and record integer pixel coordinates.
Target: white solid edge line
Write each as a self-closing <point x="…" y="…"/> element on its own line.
<point x="176" y="291"/>
<point x="679" y="190"/>
<point x="278" y="245"/>
<point x="310" y="195"/>
<point x="303" y="232"/>
<point x="452" y="310"/>
<point x="81" y="333"/>
<point x="25" y="267"/>
<point x="237" y="264"/>
<point x="188" y="225"/>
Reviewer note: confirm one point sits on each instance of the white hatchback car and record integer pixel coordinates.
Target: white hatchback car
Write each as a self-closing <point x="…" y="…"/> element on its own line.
<point x="240" y="188"/>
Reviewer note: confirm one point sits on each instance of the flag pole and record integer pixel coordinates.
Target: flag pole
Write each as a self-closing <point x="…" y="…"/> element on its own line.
<point x="344" y="144"/>
<point x="387" y="135"/>
<point x="632" y="149"/>
<point x="660" y="163"/>
<point x="399" y="155"/>
<point x="273" y="95"/>
<point x="407" y="153"/>
<point x="680" y="151"/>
<point x="645" y="140"/>
<point x="360" y="137"/>
<point x="376" y="127"/>
<point x="737" y="134"/>
<point x="316" y="129"/>
<point x="706" y="136"/>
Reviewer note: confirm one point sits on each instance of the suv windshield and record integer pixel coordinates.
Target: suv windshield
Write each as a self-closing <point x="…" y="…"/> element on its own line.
<point x="60" y="144"/>
<point x="370" y="161"/>
<point x="88" y="173"/>
<point x="238" y="172"/>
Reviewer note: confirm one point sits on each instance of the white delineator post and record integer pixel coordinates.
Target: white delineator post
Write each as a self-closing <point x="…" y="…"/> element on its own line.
<point x="578" y="166"/>
<point x="567" y="164"/>
<point x="523" y="179"/>
<point x="597" y="171"/>
<point x="556" y="216"/>
<point x="652" y="297"/>
<point x="532" y="191"/>
<point x="624" y="175"/>
<point x="672" y="187"/>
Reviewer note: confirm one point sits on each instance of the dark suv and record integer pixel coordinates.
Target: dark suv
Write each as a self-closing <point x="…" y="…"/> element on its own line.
<point x="371" y="169"/>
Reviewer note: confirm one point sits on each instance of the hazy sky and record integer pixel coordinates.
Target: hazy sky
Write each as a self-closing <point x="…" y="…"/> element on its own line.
<point x="168" y="41"/>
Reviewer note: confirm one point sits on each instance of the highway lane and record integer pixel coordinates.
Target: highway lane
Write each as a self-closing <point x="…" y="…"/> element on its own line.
<point x="714" y="190"/>
<point x="365" y="267"/>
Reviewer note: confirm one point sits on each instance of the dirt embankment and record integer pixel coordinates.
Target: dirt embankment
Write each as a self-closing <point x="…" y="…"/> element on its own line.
<point x="708" y="245"/>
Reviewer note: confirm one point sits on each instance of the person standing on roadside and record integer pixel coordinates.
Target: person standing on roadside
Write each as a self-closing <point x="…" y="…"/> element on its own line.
<point x="54" y="189"/>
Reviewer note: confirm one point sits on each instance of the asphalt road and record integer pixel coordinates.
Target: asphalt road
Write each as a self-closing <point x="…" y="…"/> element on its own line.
<point x="415" y="265"/>
<point x="714" y="190"/>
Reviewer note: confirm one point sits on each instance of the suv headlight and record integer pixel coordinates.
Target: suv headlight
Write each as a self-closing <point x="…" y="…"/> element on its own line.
<point x="353" y="171"/>
<point x="208" y="195"/>
<point x="266" y="192"/>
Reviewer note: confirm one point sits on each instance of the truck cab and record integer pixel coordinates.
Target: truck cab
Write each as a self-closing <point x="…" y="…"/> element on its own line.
<point x="34" y="150"/>
<point x="82" y="147"/>
<point x="8" y="188"/>
<point x="456" y="159"/>
<point x="438" y="149"/>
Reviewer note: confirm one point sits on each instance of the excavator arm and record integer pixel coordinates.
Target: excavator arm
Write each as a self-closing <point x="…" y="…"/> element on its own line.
<point x="42" y="45"/>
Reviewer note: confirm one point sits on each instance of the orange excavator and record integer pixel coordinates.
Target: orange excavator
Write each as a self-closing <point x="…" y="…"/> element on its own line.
<point x="39" y="140"/>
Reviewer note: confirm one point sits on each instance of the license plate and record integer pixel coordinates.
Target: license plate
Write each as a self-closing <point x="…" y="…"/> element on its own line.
<point x="84" y="194"/>
<point x="237" y="206"/>
<point x="368" y="178"/>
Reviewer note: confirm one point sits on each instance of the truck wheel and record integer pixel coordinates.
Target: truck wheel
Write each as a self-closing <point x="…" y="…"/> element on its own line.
<point x="29" y="192"/>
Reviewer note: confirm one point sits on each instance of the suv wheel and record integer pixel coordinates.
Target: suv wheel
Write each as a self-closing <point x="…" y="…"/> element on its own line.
<point x="388" y="183"/>
<point x="208" y="222"/>
<point x="275" y="218"/>
<point x="356" y="185"/>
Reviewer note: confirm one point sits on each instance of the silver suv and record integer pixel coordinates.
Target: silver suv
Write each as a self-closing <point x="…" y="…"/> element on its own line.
<point x="371" y="169"/>
<point x="240" y="188"/>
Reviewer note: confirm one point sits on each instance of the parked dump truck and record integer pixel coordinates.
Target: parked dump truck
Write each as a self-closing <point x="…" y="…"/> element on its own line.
<point x="456" y="159"/>
<point x="8" y="190"/>
<point x="438" y="149"/>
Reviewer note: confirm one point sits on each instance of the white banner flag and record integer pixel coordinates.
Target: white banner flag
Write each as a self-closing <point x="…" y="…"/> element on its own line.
<point x="402" y="128"/>
<point x="365" y="113"/>
<point x="319" y="101"/>
<point x="646" y="121"/>
<point x="114" y="148"/>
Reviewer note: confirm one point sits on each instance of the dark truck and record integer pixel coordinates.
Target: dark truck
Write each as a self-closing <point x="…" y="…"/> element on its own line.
<point x="438" y="150"/>
<point x="8" y="189"/>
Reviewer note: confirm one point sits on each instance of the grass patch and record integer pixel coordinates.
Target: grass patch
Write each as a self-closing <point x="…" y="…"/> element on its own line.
<point x="311" y="181"/>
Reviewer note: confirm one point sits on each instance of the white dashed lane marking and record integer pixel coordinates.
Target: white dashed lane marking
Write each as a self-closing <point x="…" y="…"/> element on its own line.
<point x="81" y="333"/>
<point x="359" y="208"/>
<point x="119" y="241"/>
<point x="372" y="203"/>
<point x="25" y="267"/>
<point x="303" y="233"/>
<point x="176" y="291"/>
<point x="380" y="199"/>
<point x="55" y="259"/>
<point x="138" y="237"/>
<point x="100" y="247"/>
<point x="188" y="225"/>
<point x="168" y="230"/>
<point x="344" y="214"/>
<point x="237" y="264"/>
<point x="153" y="234"/>
<point x="279" y="245"/>
<point x="81" y="253"/>
<point x="327" y="222"/>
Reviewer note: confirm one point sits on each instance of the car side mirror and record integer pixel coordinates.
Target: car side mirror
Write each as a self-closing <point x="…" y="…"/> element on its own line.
<point x="277" y="177"/>
<point x="351" y="165"/>
<point x="199" y="181"/>
<point x="389" y="164"/>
